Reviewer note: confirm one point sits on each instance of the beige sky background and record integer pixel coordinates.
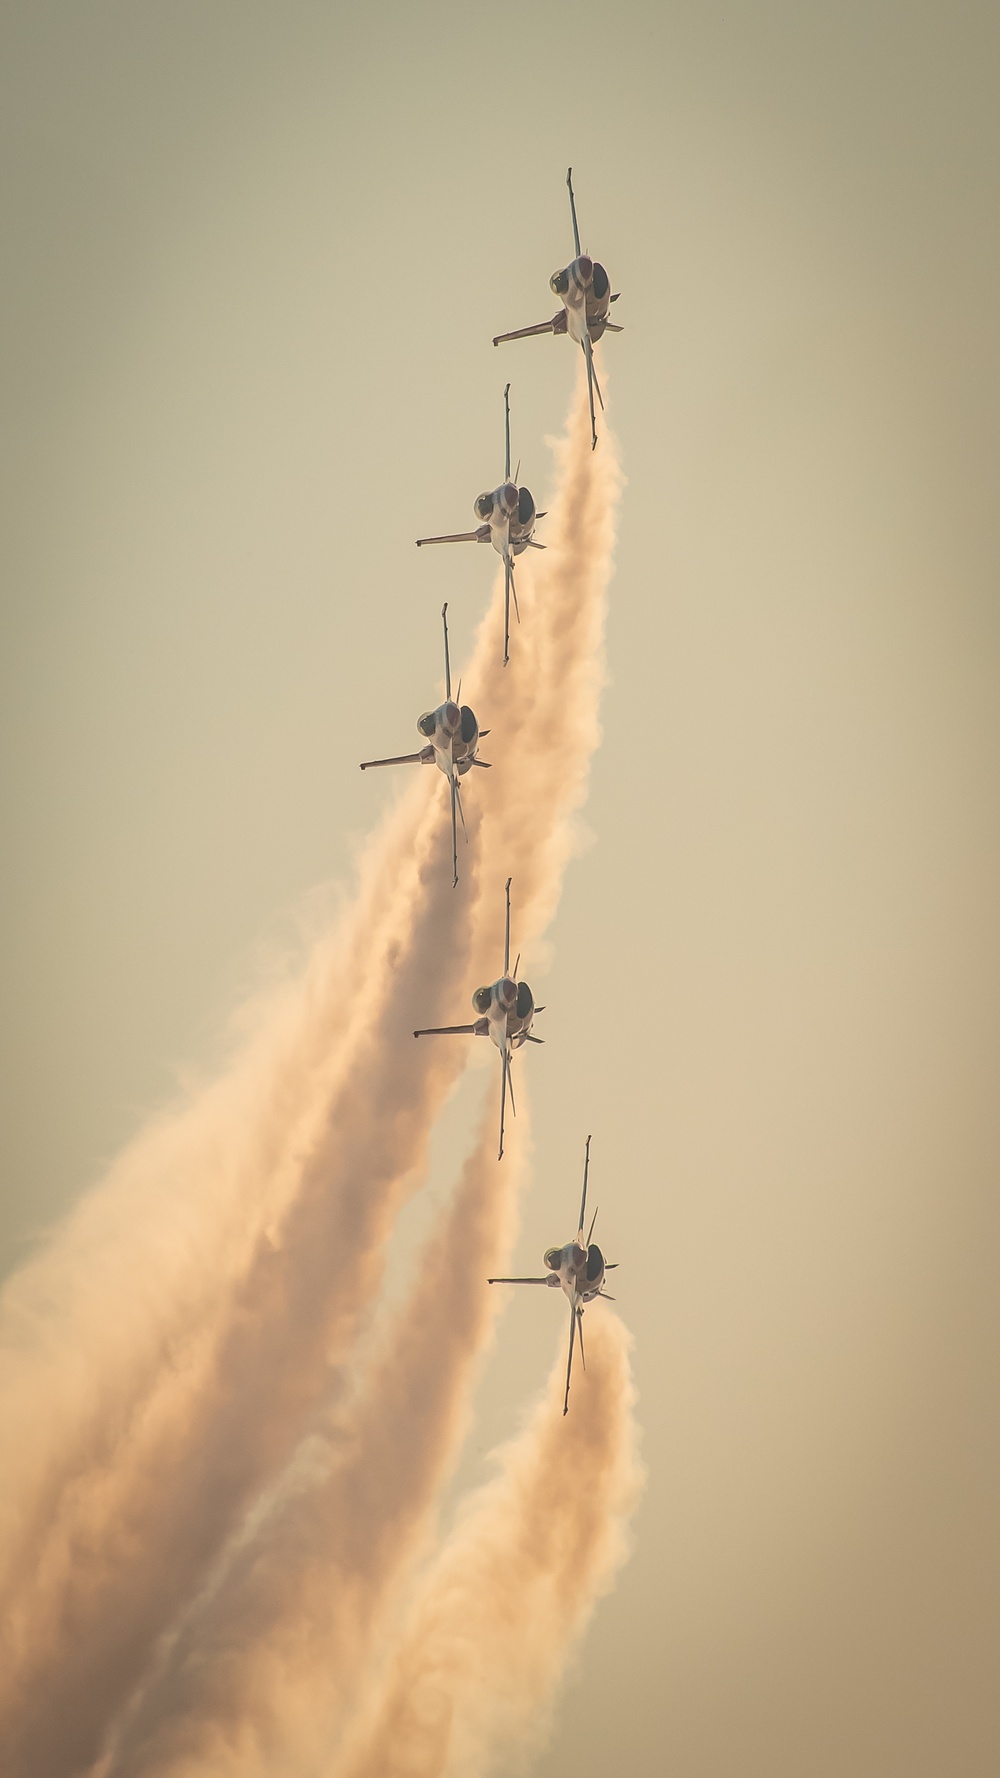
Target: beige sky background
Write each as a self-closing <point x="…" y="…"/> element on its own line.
<point x="255" y="258"/>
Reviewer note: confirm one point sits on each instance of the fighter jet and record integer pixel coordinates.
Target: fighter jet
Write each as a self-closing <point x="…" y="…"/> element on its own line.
<point x="578" y="1269"/>
<point x="453" y="735"/>
<point x="506" y="1009"/>
<point x="584" y="289"/>
<point x="508" y="515"/>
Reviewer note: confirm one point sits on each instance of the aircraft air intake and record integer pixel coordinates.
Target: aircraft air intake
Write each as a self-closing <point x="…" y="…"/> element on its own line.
<point x="484" y="507"/>
<point x="525" y="1000"/>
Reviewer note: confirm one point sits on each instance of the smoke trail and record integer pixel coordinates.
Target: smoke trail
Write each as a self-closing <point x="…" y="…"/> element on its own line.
<point x="200" y="1398"/>
<point x="546" y="705"/>
<point x="509" y="1596"/>
<point x="183" y="1207"/>
<point x="266" y="1665"/>
<point x="549" y="729"/>
<point x="137" y="1521"/>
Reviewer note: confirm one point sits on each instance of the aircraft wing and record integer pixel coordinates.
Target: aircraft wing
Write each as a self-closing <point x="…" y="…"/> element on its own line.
<point x="524" y="333"/>
<point x="479" y="1029"/>
<point x="573" y="1313"/>
<point x="518" y="1280"/>
<point x="505" y="1053"/>
<point x="592" y="384"/>
<point x="401" y="759"/>
<point x="481" y="535"/>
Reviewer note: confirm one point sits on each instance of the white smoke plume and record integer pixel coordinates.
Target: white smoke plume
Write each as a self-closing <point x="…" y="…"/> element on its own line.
<point x="136" y="1509"/>
<point x="507" y="1599"/>
<point x="162" y="1361"/>
<point x="268" y="1664"/>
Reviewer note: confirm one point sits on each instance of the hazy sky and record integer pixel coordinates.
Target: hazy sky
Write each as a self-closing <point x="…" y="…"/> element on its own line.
<point x="255" y="258"/>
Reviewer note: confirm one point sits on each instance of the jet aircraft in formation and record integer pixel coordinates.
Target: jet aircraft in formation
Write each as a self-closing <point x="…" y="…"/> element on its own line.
<point x="578" y="1269"/>
<point x="508" y="515"/>
<point x="506" y="1009"/>
<point x="453" y="735"/>
<point x="584" y="289"/>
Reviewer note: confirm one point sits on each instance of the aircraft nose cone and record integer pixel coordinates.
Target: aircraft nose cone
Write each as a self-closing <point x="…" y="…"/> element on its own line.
<point x="510" y="496"/>
<point x="585" y="266"/>
<point x="452" y="716"/>
<point x="508" y="991"/>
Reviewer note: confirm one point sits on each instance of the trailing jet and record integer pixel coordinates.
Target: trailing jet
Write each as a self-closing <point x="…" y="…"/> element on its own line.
<point x="578" y="1269"/>
<point x="453" y="735"/>
<point x="508" y="515"/>
<point x="506" y="1009"/>
<point x="584" y="289"/>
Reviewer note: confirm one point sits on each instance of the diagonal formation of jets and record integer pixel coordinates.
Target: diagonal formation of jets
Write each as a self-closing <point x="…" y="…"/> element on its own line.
<point x="505" y="1009"/>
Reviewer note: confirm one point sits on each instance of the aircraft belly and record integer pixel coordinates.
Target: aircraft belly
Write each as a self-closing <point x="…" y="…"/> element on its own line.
<point x="576" y="322"/>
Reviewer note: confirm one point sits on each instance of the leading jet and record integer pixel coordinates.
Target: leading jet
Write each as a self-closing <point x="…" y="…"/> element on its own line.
<point x="506" y="1009"/>
<point x="578" y="1269"/>
<point x="584" y="290"/>
<point x="508" y="515"/>
<point x="452" y="735"/>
